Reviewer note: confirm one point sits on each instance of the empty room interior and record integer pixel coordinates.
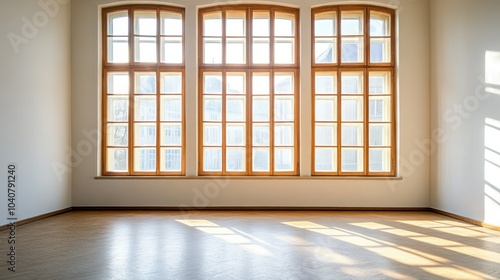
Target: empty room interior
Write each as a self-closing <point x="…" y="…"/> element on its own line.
<point x="206" y="139"/>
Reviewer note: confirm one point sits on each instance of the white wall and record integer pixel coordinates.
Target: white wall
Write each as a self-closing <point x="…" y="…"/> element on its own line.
<point x="412" y="191"/>
<point x="35" y="104"/>
<point x="465" y="167"/>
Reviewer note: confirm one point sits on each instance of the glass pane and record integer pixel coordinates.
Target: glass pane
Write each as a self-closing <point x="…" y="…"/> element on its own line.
<point x="171" y="108"/>
<point x="325" y="109"/>
<point x="117" y="109"/>
<point x="283" y="159"/>
<point x="118" y="83"/>
<point x="284" y="53"/>
<point x="380" y="83"/>
<point x="171" y="83"/>
<point x="324" y="24"/>
<point x="212" y="83"/>
<point x="352" y="50"/>
<point x="352" y="134"/>
<point x="352" y="23"/>
<point x="235" y="135"/>
<point x="145" y="160"/>
<point x="380" y="160"/>
<point x="145" y="134"/>
<point x="283" y="83"/>
<point x="380" y="50"/>
<point x="260" y="83"/>
<point x="261" y="135"/>
<point x="260" y="159"/>
<point x="212" y="134"/>
<point x="145" y="23"/>
<point x="325" y="83"/>
<point x="171" y="24"/>
<point x="261" y="52"/>
<point x="171" y="159"/>
<point x="118" y="23"/>
<point x="171" y="50"/>
<point x="325" y="160"/>
<point x="380" y="109"/>
<point x="212" y="108"/>
<point x="260" y="108"/>
<point x="235" y="83"/>
<point x="145" y="108"/>
<point x="117" y="135"/>
<point x="118" y="50"/>
<point x="352" y="108"/>
<point x="235" y="23"/>
<point x="283" y="108"/>
<point x="212" y="50"/>
<point x="380" y="24"/>
<point x="171" y="134"/>
<point x="352" y="83"/>
<point x="212" y="159"/>
<point x="325" y="50"/>
<point x="117" y="160"/>
<point x="325" y="135"/>
<point x="145" y="83"/>
<point x="380" y="134"/>
<point x="283" y="135"/>
<point x="235" y="159"/>
<point x="284" y="24"/>
<point x="145" y="49"/>
<point x="235" y="108"/>
<point x="260" y="24"/>
<point x="352" y="160"/>
<point x="212" y="24"/>
<point x="235" y="51"/>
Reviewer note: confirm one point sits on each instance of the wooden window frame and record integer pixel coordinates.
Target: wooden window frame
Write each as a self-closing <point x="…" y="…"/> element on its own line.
<point x="365" y="67"/>
<point x="131" y="67"/>
<point x="249" y="68"/>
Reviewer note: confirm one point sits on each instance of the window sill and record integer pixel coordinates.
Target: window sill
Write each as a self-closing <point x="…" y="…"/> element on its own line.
<point x="283" y="178"/>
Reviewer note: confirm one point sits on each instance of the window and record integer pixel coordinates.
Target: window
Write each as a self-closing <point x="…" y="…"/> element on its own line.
<point x="248" y="90"/>
<point x="353" y="91"/>
<point x="143" y="90"/>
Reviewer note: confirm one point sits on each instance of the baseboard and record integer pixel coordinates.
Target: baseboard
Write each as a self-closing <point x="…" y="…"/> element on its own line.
<point x="37" y="218"/>
<point x="465" y="219"/>
<point x="243" y="208"/>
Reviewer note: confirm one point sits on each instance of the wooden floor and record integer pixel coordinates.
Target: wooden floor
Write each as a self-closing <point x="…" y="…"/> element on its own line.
<point x="252" y="245"/>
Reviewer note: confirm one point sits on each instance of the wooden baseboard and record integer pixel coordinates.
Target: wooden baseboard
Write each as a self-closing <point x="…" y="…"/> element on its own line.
<point x="465" y="219"/>
<point x="243" y="208"/>
<point x="37" y="218"/>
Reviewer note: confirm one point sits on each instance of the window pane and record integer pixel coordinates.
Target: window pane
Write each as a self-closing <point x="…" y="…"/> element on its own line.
<point x="352" y="50"/>
<point x="325" y="50"/>
<point x="260" y="160"/>
<point x="283" y="83"/>
<point x="260" y="83"/>
<point x="380" y="109"/>
<point x="284" y="24"/>
<point x="235" y="135"/>
<point x="260" y="134"/>
<point x="352" y="160"/>
<point x="283" y="135"/>
<point x="352" y="108"/>
<point x="145" y="108"/>
<point x="117" y="109"/>
<point x="171" y="24"/>
<point x="283" y="159"/>
<point x="352" y="83"/>
<point x="284" y="53"/>
<point x="117" y="160"/>
<point x="380" y="160"/>
<point x="212" y="159"/>
<point x="145" y="159"/>
<point x="212" y="108"/>
<point x="380" y="134"/>
<point x="212" y="50"/>
<point x="145" y="23"/>
<point x="283" y="108"/>
<point x="261" y="52"/>
<point x="352" y="23"/>
<point x="235" y="159"/>
<point x="235" y="108"/>
<point x="212" y="24"/>
<point x="118" y="50"/>
<point x="380" y="24"/>
<point x="326" y="135"/>
<point x="171" y="51"/>
<point x="171" y="83"/>
<point x="260" y="108"/>
<point x="145" y="134"/>
<point x="260" y="24"/>
<point x="325" y="109"/>
<point x="324" y="24"/>
<point x="118" y="83"/>
<point x="145" y="49"/>
<point x="212" y="83"/>
<point x="235" y="51"/>
<point x="171" y="159"/>
<point x="325" y="83"/>
<point x="235" y="83"/>
<point x="117" y="135"/>
<point x="380" y="50"/>
<point x="325" y="160"/>
<point x="380" y="83"/>
<point x="145" y="83"/>
<point x="212" y="134"/>
<point x="118" y="23"/>
<point x="235" y="23"/>
<point x="171" y="134"/>
<point x="171" y="108"/>
<point x="352" y="134"/>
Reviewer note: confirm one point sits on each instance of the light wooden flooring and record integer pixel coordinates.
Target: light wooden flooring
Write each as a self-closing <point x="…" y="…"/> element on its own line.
<point x="252" y="245"/>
